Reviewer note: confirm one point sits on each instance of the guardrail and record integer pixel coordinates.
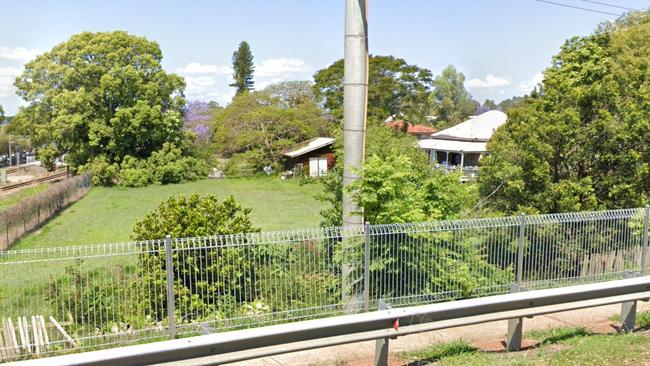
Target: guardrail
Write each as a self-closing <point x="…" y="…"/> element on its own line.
<point x="380" y="325"/>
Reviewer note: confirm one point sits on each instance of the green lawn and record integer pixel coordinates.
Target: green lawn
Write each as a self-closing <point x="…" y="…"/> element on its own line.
<point x="108" y="214"/>
<point x="14" y="198"/>
<point x="563" y="346"/>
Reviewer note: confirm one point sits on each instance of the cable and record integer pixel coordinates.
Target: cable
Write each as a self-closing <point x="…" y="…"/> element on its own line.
<point x="610" y="5"/>
<point x="578" y="7"/>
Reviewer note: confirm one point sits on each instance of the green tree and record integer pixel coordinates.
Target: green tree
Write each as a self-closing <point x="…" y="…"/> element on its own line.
<point x="2" y="114"/>
<point x="452" y="102"/>
<point x="260" y="126"/>
<point x="394" y="88"/>
<point x="582" y="142"/>
<point x="99" y="95"/>
<point x="490" y="104"/>
<point x="242" y="64"/>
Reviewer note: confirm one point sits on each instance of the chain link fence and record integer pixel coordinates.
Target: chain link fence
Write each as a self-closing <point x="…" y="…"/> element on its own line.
<point x="32" y="212"/>
<point x="80" y="298"/>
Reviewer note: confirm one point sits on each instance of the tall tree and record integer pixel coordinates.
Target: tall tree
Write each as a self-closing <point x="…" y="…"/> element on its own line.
<point x="99" y="95"/>
<point x="394" y="88"/>
<point x="452" y="102"/>
<point x="242" y="64"/>
<point x="583" y="142"/>
<point x="2" y="114"/>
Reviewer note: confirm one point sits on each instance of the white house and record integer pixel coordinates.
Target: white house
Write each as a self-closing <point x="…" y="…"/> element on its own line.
<point x="462" y="145"/>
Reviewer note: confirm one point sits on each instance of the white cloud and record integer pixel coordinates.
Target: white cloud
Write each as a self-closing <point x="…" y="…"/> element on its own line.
<point x="8" y="75"/>
<point x="528" y="85"/>
<point x="197" y="68"/>
<point x="18" y="53"/>
<point x="490" y="81"/>
<point x="274" y="67"/>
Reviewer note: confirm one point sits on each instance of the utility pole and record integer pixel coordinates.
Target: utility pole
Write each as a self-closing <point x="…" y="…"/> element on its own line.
<point x="355" y="103"/>
<point x="10" y="160"/>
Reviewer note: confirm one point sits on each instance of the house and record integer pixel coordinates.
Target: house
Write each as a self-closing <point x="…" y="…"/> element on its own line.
<point x="419" y="131"/>
<point x="463" y="145"/>
<point x="315" y="154"/>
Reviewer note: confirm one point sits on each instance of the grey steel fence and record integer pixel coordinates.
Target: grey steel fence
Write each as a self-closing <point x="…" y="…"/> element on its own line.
<point x="77" y="298"/>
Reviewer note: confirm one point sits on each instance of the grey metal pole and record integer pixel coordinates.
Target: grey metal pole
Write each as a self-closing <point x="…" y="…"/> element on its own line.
<point x="355" y="96"/>
<point x="381" y="344"/>
<point x="366" y="268"/>
<point x="515" y="325"/>
<point x="520" y="248"/>
<point x="171" y="302"/>
<point x="644" y="241"/>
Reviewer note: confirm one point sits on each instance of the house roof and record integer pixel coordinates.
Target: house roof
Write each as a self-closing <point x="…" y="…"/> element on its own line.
<point x="453" y="145"/>
<point x="412" y="129"/>
<point x="479" y="128"/>
<point x="307" y="146"/>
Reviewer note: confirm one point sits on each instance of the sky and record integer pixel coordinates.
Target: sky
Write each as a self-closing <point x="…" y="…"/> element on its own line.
<point x="501" y="46"/>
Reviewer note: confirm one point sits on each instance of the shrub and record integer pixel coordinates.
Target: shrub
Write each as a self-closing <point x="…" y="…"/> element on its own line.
<point x="135" y="173"/>
<point x="207" y="282"/>
<point x="103" y="172"/>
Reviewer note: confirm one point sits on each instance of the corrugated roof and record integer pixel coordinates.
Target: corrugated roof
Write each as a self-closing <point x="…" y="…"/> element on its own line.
<point x="308" y="146"/>
<point x="479" y="128"/>
<point x="453" y="145"/>
<point x="412" y="129"/>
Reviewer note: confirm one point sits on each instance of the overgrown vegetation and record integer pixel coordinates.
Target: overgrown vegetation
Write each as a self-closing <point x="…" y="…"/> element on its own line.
<point x="582" y="142"/>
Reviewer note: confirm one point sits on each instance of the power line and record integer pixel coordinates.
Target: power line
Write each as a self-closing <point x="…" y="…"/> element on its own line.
<point x="578" y="7"/>
<point x="610" y="5"/>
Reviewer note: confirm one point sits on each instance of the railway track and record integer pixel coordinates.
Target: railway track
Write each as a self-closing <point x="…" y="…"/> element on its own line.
<point x="48" y="178"/>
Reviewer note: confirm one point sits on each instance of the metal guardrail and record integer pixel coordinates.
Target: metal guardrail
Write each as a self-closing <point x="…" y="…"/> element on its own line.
<point x="382" y="324"/>
<point x="113" y="294"/>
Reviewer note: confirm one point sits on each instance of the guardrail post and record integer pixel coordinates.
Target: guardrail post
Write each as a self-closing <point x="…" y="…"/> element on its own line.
<point x="366" y="268"/>
<point x="644" y="241"/>
<point x="381" y="345"/>
<point x="171" y="302"/>
<point x="514" y="336"/>
<point x="628" y="311"/>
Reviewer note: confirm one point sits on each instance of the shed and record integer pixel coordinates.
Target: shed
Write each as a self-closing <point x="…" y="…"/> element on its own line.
<point x="316" y="154"/>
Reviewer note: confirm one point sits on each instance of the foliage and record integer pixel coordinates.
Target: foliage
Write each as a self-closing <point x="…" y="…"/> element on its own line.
<point x="103" y="172"/>
<point x="452" y="102"/>
<point x="394" y="88"/>
<point x="242" y="64"/>
<point x="228" y="268"/>
<point x="582" y="143"/>
<point x="442" y="350"/>
<point x="2" y="114"/>
<point x="292" y="93"/>
<point x="99" y="95"/>
<point x="198" y="120"/>
<point x="507" y="104"/>
<point x="261" y="126"/>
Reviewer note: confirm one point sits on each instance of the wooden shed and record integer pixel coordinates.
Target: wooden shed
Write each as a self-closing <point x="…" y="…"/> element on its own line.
<point x="314" y="157"/>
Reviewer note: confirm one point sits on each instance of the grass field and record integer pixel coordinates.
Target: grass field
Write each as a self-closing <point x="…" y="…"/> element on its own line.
<point x="108" y="214"/>
<point x="16" y="197"/>
<point x="562" y="346"/>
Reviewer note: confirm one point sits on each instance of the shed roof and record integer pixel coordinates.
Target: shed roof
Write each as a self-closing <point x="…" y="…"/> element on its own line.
<point x="412" y="129"/>
<point x="479" y="128"/>
<point x="308" y="146"/>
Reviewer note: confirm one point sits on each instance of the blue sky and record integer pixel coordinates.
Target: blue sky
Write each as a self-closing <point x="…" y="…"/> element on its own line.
<point x="500" y="45"/>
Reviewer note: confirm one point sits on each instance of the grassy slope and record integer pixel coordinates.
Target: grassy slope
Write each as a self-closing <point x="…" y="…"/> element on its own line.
<point x="14" y="198"/>
<point x="108" y="214"/>
<point x="557" y="347"/>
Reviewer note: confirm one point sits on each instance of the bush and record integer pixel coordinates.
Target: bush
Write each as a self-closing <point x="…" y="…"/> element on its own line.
<point x="207" y="282"/>
<point x="135" y="173"/>
<point x="104" y="173"/>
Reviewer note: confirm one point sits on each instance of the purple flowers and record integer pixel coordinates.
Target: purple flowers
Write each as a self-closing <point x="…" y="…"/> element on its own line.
<point x="197" y="114"/>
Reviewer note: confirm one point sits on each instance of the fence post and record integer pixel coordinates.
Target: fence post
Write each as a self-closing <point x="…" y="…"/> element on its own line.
<point x="366" y="268"/>
<point x="171" y="304"/>
<point x="644" y="241"/>
<point x="514" y="336"/>
<point x="628" y="309"/>
<point x="381" y="345"/>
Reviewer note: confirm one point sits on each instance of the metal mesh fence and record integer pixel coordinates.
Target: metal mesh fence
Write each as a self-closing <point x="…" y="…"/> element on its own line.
<point x="79" y="298"/>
